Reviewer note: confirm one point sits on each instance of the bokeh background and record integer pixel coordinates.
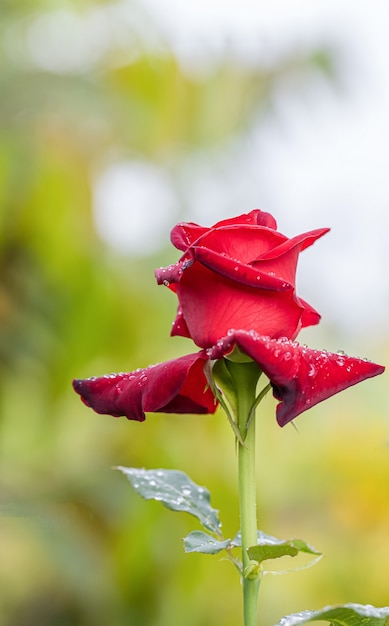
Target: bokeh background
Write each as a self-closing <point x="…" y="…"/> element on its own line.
<point x="118" y="119"/>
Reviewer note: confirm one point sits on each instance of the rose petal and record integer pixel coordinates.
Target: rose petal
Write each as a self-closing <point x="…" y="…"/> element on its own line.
<point x="300" y="377"/>
<point x="255" y="217"/>
<point x="186" y="234"/>
<point x="179" y="327"/>
<point x="239" y="272"/>
<point x="212" y="304"/>
<point x="245" y="243"/>
<point x="302" y="241"/>
<point x="310" y="316"/>
<point x="177" y="386"/>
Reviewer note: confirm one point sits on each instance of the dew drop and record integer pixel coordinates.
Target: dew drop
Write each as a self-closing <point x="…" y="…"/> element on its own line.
<point x="342" y="352"/>
<point x="166" y="283"/>
<point x="312" y="371"/>
<point x="287" y="356"/>
<point x="152" y="483"/>
<point x="340" y="362"/>
<point x="186" y="492"/>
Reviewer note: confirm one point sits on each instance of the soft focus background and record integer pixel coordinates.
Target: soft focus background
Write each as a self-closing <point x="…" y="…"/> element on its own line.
<point x="118" y="119"/>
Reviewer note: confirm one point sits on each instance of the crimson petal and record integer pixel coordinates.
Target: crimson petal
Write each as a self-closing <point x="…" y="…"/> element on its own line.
<point x="177" y="386"/>
<point x="300" y="377"/>
<point x="185" y="234"/>
<point x="301" y="242"/>
<point x="255" y="217"/>
<point x="239" y="272"/>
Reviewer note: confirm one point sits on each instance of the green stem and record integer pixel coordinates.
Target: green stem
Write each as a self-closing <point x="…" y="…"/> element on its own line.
<point x="246" y="376"/>
<point x="248" y="524"/>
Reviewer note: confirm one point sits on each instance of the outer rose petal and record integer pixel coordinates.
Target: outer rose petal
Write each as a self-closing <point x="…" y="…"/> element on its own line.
<point x="300" y="377"/>
<point x="177" y="386"/>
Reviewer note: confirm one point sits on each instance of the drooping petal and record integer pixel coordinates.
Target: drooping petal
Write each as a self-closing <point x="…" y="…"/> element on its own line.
<point x="300" y="377"/>
<point x="176" y="386"/>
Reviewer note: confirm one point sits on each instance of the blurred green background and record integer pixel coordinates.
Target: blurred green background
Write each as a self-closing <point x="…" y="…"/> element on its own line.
<point x="77" y="546"/>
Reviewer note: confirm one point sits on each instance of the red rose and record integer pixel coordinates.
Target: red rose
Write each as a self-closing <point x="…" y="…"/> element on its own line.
<point x="240" y="273"/>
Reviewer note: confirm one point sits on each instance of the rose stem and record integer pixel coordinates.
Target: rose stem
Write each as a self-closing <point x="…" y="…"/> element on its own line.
<point x="246" y="378"/>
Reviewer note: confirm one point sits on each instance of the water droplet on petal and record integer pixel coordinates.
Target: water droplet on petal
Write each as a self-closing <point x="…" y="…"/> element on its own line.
<point x="166" y="283"/>
<point x="287" y="356"/>
<point x="312" y="371"/>
<point x="340" y="362"/>
<point x="340" y="352"/>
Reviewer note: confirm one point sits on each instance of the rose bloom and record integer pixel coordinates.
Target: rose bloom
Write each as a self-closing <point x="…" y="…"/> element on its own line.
<point x="240" y="273"/>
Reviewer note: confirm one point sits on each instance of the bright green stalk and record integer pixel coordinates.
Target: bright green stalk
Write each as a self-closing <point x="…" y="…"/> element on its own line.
<point x="248" y="524"/>
<point x="245" y="377"/>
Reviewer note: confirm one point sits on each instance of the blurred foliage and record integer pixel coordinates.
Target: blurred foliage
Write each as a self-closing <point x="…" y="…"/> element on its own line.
<point x="76" y="546"/>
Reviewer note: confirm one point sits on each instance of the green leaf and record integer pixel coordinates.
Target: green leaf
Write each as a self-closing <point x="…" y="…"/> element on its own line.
<point x="198" y="541"/>
<point x="176" y="491"/>
<point x="271" y="548"/>
<point x="343" y="615"/>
